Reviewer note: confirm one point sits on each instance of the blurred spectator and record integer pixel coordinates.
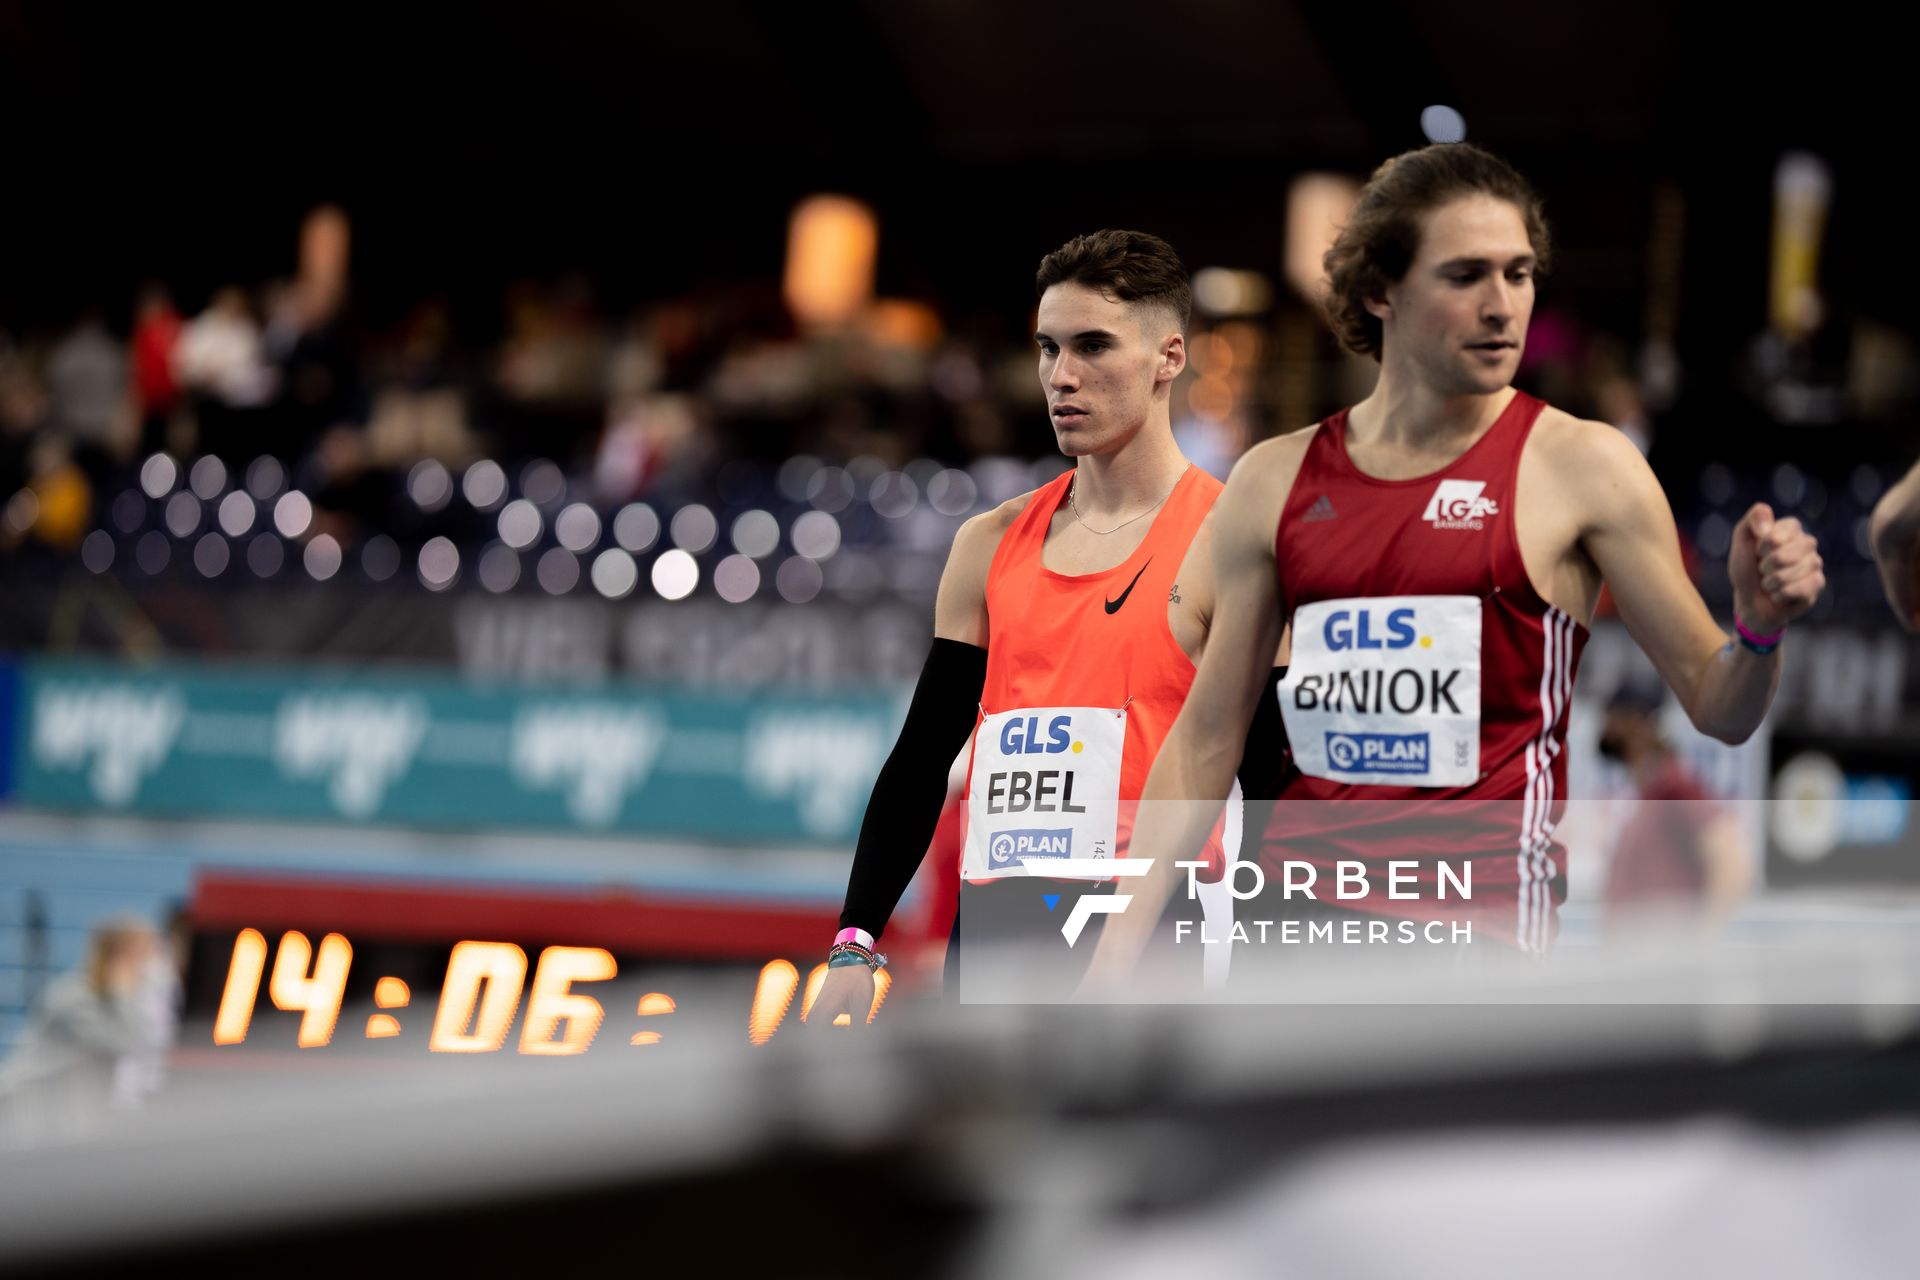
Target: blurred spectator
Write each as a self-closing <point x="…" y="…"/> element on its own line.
<point x="421" y="412"/>
<point x="221" y="363"/>
<point x="59" y="1083"/>
<point x="318" y="372"/>
<point x="44" y="495"/>
<point x="62" y="497"/>
<point x="157" y="327"/>
<point x="651" y="445"/>
<point x="552" y="370"/>
<point x="636" y="367"/>
<point x="157" y="1003"/>
<point x="1679" y="855"/>
<point x="87" y="392"/>
<point x="348" y="497"/>
<point x="220" y="353"/>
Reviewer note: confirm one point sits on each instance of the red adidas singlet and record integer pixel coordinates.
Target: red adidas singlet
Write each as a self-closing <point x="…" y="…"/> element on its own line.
<point x="1094" y="639"/>
<point x="1365" y="566"/>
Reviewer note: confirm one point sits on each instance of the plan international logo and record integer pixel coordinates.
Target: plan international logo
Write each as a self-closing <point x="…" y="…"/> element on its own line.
<point x="1457" y="504"/>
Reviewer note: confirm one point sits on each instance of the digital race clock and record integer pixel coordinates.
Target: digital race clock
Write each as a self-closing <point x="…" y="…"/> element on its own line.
<point x="483" y="992"/>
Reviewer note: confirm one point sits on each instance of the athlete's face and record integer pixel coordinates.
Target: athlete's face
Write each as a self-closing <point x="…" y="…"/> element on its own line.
<point x="1460" y="314"/>
<point x="1103" y="363"/>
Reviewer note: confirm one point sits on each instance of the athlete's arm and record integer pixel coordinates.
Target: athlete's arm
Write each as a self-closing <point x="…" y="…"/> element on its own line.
<point x="1895" y="532"/>
<point x="1627" y="529"/>
<point x="1194" y="770"/>
<point x="1190" y="603"/>
<point x="905" y="805"/>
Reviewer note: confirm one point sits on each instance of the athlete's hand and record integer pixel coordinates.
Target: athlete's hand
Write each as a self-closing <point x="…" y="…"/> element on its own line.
<point x="848" y="989"/>
<point x="1776" y="569"/>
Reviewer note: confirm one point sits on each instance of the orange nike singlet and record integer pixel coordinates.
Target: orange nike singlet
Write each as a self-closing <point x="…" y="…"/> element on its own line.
<point x="1094" y="640"/>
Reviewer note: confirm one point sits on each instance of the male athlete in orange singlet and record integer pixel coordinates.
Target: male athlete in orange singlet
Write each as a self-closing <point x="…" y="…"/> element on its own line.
<point x="1066" y="627"/>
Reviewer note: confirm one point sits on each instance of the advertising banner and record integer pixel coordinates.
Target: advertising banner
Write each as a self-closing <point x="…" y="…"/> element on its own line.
<point x="433" y="751"/>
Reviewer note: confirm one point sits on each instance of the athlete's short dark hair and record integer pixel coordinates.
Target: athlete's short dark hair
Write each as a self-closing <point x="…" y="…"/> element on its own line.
<point x="1380" y="240"/>
<point x="1131" y="266"/>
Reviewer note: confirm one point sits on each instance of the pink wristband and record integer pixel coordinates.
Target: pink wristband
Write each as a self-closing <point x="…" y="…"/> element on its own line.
<point x="1754" y="637"/>
<point x="858" y="937"/>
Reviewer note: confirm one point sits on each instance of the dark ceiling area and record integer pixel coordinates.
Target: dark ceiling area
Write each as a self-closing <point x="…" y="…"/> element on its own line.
<point x="659" y="148"/>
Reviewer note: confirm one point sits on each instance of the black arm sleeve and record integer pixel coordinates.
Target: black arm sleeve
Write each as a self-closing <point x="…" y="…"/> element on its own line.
<point x="1263" y="762"/>
<point x="905" y="806"/>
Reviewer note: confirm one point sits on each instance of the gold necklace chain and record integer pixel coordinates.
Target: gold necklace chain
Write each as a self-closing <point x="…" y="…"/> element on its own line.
<point x="1074" y="483"/>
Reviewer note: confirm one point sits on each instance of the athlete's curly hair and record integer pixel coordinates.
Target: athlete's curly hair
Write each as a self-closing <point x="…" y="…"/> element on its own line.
<point x="1129" y="265"/>
<point x="1380" y="240"/>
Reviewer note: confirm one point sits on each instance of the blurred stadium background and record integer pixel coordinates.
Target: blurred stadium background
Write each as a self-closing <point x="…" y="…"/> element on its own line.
<point x="487" y="478"/>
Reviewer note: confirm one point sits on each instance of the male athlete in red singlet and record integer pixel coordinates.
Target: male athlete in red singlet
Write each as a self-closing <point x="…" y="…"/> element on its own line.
<point x="1067" y="624"/>
<point x="1438" y="550"/>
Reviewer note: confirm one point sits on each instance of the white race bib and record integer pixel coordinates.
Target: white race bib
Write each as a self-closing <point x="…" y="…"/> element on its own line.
<point x="1386" y="690"/>
<point x="1045" y="785"/>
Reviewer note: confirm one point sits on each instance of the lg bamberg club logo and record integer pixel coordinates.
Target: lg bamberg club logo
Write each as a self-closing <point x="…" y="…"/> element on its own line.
<point x="1457" y="504"/>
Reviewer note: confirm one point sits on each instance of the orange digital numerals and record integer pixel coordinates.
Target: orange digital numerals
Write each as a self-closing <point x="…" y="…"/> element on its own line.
<point x="313" y="984"/>
<point x="482" y="992"/>
<point x="480" y="996"/>
<point x="243" y="988"/>
<point x="554" y="1002"/>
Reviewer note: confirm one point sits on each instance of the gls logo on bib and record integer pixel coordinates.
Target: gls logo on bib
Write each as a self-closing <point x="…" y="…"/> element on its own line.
<point x="1457" y="504"/>
<point x="1020" y="736"/>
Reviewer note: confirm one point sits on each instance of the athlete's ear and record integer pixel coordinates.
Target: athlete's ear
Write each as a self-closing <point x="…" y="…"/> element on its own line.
<point x="1380" y="305"/>
<point x="1173" y="357"/>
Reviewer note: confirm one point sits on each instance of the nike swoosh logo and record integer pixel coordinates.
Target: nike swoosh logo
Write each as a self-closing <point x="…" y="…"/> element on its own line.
<point x="1113" y="606"/>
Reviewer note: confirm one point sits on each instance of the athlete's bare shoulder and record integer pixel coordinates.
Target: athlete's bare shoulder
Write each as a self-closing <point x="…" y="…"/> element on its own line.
<point x="1249" y="510"/>
<point x="981" y="534"/>
<point x="1580" y="442"/>
<point x="1591" y="465"/>
<point x="960" y="612"/>
<point x="1565" y="436"/>
<point x="1276" y="459"/>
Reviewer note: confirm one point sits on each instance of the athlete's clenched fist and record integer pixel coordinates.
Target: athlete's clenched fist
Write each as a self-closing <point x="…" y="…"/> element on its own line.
<point x="1776" y="569"/>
